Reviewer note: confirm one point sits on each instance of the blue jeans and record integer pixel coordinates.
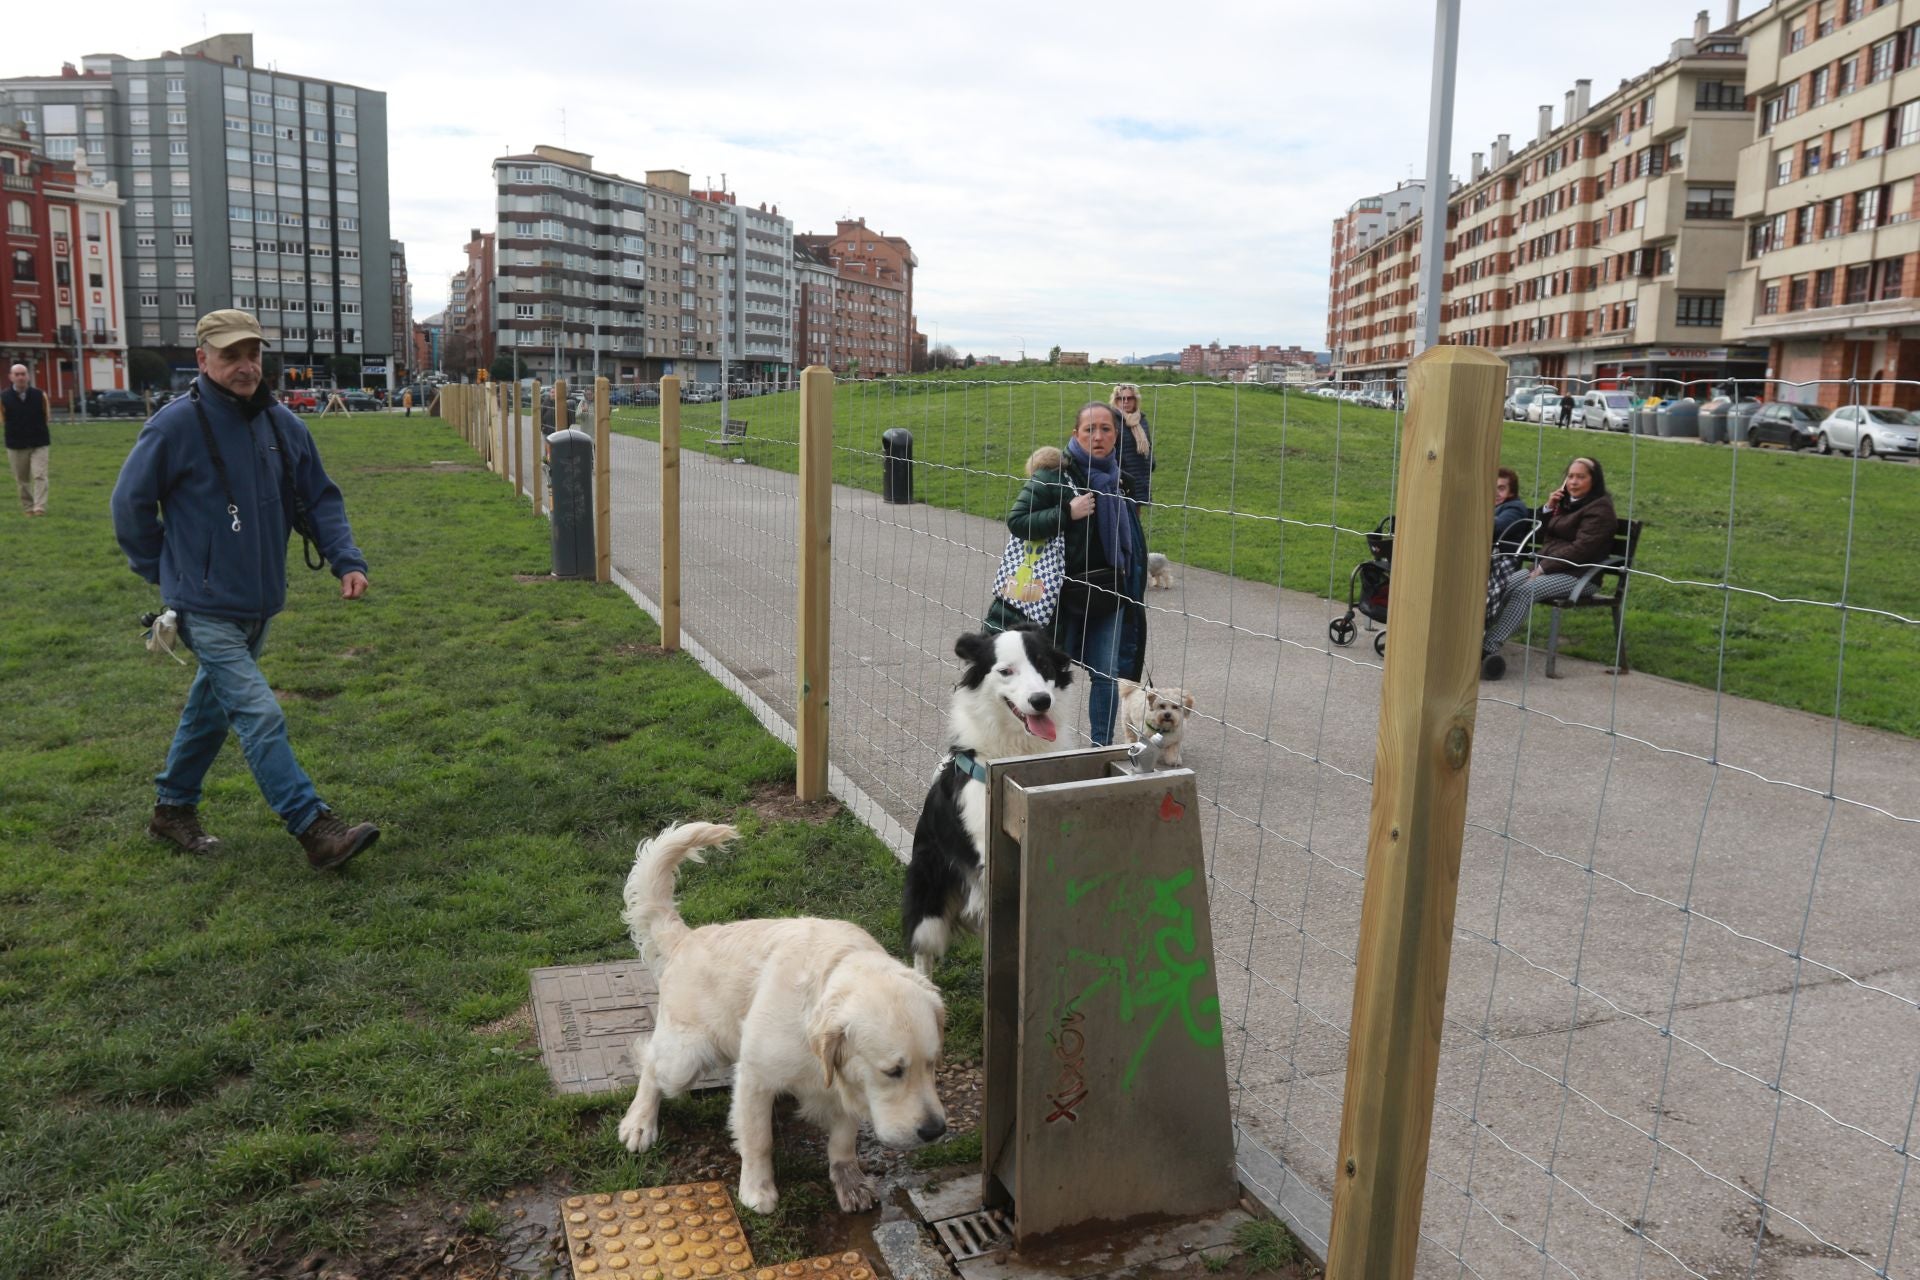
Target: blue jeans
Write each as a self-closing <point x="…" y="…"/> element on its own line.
<point x="230" y="692"/>
<point x="1092" y="639"/>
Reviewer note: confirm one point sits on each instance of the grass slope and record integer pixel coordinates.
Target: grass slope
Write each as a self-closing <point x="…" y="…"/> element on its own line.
<point x="1251" y="482"/>
<point x="212" y="1060"/>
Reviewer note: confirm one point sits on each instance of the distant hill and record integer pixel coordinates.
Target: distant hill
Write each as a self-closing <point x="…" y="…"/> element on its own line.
<point x="1169" y="357"/>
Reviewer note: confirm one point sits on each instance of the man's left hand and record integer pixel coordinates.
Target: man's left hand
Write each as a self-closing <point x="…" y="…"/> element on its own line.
<point x="353" y="585"/>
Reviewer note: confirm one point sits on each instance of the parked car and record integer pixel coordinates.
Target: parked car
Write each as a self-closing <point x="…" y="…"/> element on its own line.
<point x="1519" y="402"/>
<point x="1604" y="411"/>
<point x="300" y="400"/>
<point x="1796" y="426"/>
<point x="1870" y="431"/>
<point x="361" y="402"/>
<point x="1544" y="408"/>
<point x="116" y="404"/>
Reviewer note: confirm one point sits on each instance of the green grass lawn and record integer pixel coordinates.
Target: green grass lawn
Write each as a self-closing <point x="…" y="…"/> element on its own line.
<point x="1249" y="482"/>
<point x="211" y="1061"/>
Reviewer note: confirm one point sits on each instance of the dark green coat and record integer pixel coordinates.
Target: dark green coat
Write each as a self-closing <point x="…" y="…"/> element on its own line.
<point x="1040" y="511"/>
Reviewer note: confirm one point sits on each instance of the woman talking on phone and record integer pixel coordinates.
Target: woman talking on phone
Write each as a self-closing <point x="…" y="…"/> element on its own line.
<point x="1577" y="525"/>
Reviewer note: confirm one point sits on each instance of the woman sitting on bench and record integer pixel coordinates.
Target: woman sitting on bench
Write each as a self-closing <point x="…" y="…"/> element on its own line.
<point x="1577" y="527"/>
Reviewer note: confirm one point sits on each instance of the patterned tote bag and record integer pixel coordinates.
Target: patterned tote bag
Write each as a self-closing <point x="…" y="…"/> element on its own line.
<point x="1030" y="576"/>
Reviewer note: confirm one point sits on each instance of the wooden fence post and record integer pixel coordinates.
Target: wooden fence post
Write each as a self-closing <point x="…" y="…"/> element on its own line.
<point x="816" y="579"/>
<point x="670" y="513"/>
<point x="540" y="447"/>
<point x="1443" y="524"/>
<point x="497" y="402"/>
<point x="603" y="484"/>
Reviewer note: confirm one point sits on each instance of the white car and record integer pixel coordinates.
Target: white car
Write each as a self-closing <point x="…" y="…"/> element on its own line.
<point x="1870" y="431"/>
<point x="1604" y="411"/>
<point x="1546" y="408"/>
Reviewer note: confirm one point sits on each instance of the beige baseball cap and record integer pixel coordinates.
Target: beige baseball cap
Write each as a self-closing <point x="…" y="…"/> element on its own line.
<point x="224" y="328"/>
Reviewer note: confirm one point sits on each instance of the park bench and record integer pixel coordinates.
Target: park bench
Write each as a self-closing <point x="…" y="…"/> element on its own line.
<point x="1601" y="586"/>
<point x="733" y="431"/>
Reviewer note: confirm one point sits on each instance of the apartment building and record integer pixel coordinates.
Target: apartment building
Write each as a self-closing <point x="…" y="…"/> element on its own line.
<point x="60" y="314"/>
<point x="1367" y="220"/>
<point x="636" y="278"/>
<point x="869" y="326"/>
<point x="1238" y="360"/>
<point x="477" y="306"/>
<point x="242" y="187"/>
<point x="1830" y="281"/>
<point x="403" y="363"/>
<point x="1599" y="251"/>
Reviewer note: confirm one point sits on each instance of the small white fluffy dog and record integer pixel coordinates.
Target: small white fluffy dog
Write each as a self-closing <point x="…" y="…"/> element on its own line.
<point x="812" y="1008"/>
<point x="1145" y="711"/>
<point x="1159" y="571"/>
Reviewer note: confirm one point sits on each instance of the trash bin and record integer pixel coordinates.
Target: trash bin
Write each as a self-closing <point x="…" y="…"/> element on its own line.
<point x="1740" y="419"/>
<point x="1680" y="418"/>
<point x="1713" y="420"/>
<point x="896" y="465"/>
<point x="1640" y="419"/>
<point x="570" y="481"/>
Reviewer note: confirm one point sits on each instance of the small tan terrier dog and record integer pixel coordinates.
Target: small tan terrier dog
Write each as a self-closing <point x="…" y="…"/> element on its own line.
<point x="1145" y="711"/>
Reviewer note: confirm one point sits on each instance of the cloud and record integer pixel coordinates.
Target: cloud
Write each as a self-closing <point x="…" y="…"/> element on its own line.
<point x="1113" y="180"/>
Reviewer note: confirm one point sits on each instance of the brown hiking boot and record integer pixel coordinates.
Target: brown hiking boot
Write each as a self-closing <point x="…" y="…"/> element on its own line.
<point x="179" y="824"/>
<point x="330" y="843"/>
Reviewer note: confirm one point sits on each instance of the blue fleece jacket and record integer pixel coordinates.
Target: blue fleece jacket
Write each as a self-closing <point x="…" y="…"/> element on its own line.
<point x="170" y="516"/>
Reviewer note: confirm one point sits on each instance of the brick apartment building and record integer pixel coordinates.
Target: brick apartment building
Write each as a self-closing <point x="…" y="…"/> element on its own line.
<point x="1237" y="361"/>
<point x="1826" y="198"/>
<point x="1600" y="251"/>
<point x="241" y="185"/>
<point x="61" y="313"/>
<point x="637" y="278"/>
<point x="476" y="308"/>
<point x="855" y="310"/>
<point x="1367" y="220"/>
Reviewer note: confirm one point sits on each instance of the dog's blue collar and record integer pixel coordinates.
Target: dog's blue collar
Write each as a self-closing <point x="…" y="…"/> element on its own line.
<point x="966" y="763"/>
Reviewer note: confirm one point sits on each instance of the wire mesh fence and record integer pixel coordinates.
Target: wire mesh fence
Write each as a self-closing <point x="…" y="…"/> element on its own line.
<point x="1680" y="1033"/>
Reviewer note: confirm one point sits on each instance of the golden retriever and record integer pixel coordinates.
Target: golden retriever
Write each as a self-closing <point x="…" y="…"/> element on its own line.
<point x="812" y="1008"/>
<point x="1145" y="711"/>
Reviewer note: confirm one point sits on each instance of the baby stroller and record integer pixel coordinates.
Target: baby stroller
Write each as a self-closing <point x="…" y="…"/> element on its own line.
<point x="1367" y="589"/>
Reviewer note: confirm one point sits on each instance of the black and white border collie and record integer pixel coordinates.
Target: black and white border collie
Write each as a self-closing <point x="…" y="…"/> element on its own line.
<point x="1003" y="706"/>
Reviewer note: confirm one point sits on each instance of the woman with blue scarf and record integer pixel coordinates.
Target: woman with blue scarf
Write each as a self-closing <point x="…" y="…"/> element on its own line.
<point x="1100" y="622"/>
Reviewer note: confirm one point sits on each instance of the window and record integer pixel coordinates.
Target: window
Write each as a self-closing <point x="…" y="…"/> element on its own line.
<point x="142" y="209"/>
<point x="1887" y="278"/>
<point x="1906" y="123"/>
<point x="1803" y="225"/>
<point x="29" y="317"/>
<point x="281" y="102"/>
<point x="183" y="239"/>
<point x="184" y="298"/>
<point x="150" y="300"/>
<point x="176" y="115"/>
<point x="1859" y="283"/>
<point x="1866" y="209"/>
<point x="183" y="208"/>
<point x="1880" y="60"/>
<point x="1770" y="300"/>
<point x="1831" y="223"/>
<point x="142" y="149"/>
<point x="23" y="266"/>
<point x="1716" y="95"/>
<point x="143" y="240"/>
<point x="1797" y="294"/>
<point x="143" y="178"/>
<point x="1783" y="166"/>
<point x="1873" y="134"/>
<point x="1699" y="311"/>
<point x="1810" y="159"/>
<point x="177" y="147"/>
<point x="137" y="117"/>
<point x="136" y="88"/>
<point x="1849" y="76"/>
<point x="239" y="213"/>
<point x="180" y="178"/>
<point x="1823" y="288"/>
<point x="176" y="84"/>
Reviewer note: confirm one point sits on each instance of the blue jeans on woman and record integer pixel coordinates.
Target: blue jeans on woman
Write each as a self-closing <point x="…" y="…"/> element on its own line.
<point x="230" y="693"/>
<point x="1092" y="638"/>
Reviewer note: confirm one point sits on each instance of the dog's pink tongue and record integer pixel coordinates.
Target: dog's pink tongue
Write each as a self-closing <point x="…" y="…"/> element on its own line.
<point x="1041" y="726"/>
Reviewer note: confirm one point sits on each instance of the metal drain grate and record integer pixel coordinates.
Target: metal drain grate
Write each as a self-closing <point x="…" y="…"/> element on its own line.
<point x="973" y="1235"/>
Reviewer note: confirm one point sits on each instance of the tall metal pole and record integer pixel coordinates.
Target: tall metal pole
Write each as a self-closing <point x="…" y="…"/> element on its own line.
<point x="1433" y="232"/>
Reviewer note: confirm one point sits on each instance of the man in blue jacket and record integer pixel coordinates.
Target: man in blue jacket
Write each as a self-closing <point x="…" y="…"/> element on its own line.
<point x="214" y="485"/>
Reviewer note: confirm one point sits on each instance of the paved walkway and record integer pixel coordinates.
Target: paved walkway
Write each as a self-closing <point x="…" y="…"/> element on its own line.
<point x="1616" y="884"/>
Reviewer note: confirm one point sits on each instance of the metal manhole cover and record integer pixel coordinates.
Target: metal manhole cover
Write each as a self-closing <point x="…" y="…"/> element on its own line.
<point x="586" y="1018"/>
<point x="974" y="1235"/>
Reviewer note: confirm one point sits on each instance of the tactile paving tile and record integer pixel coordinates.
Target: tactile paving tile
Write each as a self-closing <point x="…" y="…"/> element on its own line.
<point x="851" y="1265"/>
<point x="685" y="1232"/>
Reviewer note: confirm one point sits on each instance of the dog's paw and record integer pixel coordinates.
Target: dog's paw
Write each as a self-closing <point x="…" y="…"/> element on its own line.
<point x="853" y="1188"/>
<point x="635" y="1136"/>
<point x="759" y="1194"/>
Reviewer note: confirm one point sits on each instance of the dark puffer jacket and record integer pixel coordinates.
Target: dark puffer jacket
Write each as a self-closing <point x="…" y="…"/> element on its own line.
<point x="1040" y="511"/>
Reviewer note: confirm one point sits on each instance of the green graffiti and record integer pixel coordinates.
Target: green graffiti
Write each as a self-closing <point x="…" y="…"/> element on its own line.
<point x="1158" y="974"/>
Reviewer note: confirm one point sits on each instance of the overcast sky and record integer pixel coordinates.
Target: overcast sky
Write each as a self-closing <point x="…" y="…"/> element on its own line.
<point x="1122" y="178"/>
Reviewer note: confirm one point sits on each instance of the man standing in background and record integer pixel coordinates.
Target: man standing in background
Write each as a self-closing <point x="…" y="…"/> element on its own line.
<point x="28" y="440"/>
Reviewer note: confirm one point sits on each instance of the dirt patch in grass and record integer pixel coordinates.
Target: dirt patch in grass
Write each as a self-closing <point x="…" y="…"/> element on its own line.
<point x="518" y="1025"/>
<point x="776" y="802"/>
<point x="305" y="695"/>
<point x="642" y="651"/>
